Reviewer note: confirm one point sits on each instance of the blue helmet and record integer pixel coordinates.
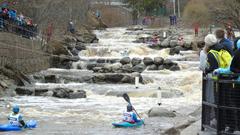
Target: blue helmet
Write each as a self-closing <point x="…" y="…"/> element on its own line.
<point x="15" y="109"/>
<point x="129" y="108"/>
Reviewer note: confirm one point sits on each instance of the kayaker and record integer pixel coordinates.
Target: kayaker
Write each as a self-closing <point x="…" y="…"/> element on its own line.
<point x="15" y="118"/>
<point x="130" y="116"/>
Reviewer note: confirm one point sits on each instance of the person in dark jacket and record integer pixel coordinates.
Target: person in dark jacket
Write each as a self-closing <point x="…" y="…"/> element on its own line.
<point x="235" y="65"/>
<point x="211" y="43"/>
<point x="228" y="44"/>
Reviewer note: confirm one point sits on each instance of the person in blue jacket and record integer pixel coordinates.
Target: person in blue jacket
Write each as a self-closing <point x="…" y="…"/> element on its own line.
<point x="226" y="43"/>
<point x="15" y="118"/>
<point x="130" y="116"/>
<point x="235" y="64"/>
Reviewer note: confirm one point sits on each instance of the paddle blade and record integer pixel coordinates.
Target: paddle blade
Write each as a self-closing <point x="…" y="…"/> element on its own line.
<point x="126" y="97"/>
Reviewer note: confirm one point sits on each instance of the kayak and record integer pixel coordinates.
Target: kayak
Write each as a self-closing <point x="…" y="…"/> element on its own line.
<point x="127" y="124"/>
<point x="7" y="127"/>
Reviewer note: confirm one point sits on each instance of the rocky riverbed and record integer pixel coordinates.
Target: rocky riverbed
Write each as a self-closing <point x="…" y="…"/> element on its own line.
<point x="95" y="82"/>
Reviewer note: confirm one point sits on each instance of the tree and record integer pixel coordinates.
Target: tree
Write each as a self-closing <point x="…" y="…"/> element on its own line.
<point x="197" y="11"/>
<point x="144" y="7"/>
<point x="227" y="11"/>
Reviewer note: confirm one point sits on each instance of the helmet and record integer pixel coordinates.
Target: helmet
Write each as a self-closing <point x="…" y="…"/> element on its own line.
<point x="129" y="108"/>
<point x="15" y="109"/>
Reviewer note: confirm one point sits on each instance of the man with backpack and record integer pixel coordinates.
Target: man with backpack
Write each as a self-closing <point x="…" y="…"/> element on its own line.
<point x="217" y="56"/>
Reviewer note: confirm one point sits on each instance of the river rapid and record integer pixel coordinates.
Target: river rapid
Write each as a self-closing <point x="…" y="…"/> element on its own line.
<point x="94" y="115"/>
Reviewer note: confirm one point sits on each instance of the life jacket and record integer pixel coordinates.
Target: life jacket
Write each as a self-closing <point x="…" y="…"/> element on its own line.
<point x="223" y="58"/>
<point x="14" y="119"/>
<point x="128" y="117"/>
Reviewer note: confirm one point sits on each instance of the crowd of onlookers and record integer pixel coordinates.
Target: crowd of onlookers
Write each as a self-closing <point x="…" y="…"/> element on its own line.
<point x="220" y="54"/>
<point x="11" y="21"/>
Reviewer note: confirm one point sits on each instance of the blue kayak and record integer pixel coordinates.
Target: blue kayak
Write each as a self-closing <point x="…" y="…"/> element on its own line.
<point x="127" y="124"/>
<point x="7" y="127"/>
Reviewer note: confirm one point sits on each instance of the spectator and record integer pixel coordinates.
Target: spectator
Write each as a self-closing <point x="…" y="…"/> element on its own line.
<point x="227" y="44"/>
<point x="217" y="56"/>
<point x="235" y="65"/>
<point x="1" y="19"/>
<point x="71" y="27"/>
<point x="196" y="29"/>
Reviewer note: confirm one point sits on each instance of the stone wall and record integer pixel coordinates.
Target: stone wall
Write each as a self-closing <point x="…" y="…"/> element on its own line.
<point x="23" y="54"/>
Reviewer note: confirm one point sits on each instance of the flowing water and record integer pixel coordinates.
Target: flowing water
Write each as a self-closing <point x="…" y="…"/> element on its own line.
<point x="94" y="115"/>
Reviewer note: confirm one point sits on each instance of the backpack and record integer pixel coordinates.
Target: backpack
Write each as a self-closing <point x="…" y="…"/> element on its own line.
<point x="223" y="58"/>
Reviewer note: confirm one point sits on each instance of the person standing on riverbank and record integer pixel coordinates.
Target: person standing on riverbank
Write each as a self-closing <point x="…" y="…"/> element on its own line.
<point x="227" y="44"/>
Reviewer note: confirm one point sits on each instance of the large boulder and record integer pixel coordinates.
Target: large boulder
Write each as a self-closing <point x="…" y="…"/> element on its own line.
<point x="174" y="51"/>
<point x="168" y="63"/>
<point x="24" y="91"/>
<point x="125" y="60"/>
<point x="78" y="94"/>
<point x="136" y="61"/>
<point x="41" y="92"/>
<point x="67" y="93"/>
<point x="165" y="43"/>
<point x="50" y="79"/>
<point x="139" y="68"/>
<point x="90" y="66"/>
<point x="174" y="68"/>
<point x="160" y="112"/>
<point x="153" y="67"/>
<point x="80" y="46"/>
<point x="158" y="61"/>
<point x="148" y="61"/>
<point x="127" y="68"/>
<point x="173" y="43"/>
<point x="115" y="67"/>
<point x="74" y="52"/>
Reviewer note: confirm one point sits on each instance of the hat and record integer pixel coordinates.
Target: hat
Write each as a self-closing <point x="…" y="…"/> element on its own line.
<point x="210" y="40"/>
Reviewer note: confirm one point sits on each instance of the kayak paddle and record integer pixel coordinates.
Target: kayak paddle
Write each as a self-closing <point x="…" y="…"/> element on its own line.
<point x="127" y="98"/>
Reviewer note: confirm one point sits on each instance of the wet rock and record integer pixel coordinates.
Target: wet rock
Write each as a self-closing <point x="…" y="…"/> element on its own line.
<point x="128" y="79"/>
<point x="127" y="68"/>
<point x="90" y="66"/>
<point x="115" y="67"/>
<point x="97" y="69"/>
<point x="47" y="94"/>
<point x="74" y="52"/>
<point x="139" y="68"/>
<point x="61" y="93"/>
<point x="173" y="43"/>
<point x="171" y="131"/>
<point x="67" y="93"/>
<point x="125" y="60"/>
<point x="136" y="61"/>
<point x="24" y="91"/>
<point x="174" y="68"/>
<point x="165" y="43"/>
<point x="160" y="112"/>
<point x="168" y="64"/>
<point x="78" y="94"/>
<point x="174" y="51"/>
<point x="161" y="67"/>
<point x="80" y="46"/>
<point x="148" y="61"/>
<point x="153" y="67"/>
<point x="50" y="79"/>
<point x="40" y="92"/>
<point x="114" y="78"/>
<point x="158" y="61"/>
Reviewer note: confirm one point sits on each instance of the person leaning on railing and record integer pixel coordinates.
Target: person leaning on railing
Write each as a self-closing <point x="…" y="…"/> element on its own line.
<point x="217" y="55"/>
<point x="235" y="64"/>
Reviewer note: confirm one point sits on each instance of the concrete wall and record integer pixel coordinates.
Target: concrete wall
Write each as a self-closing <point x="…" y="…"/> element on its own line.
<point x="23" y="54"/>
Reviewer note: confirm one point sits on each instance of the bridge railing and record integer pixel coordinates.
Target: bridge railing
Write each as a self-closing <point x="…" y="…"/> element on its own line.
<point x="221" y="104"/>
